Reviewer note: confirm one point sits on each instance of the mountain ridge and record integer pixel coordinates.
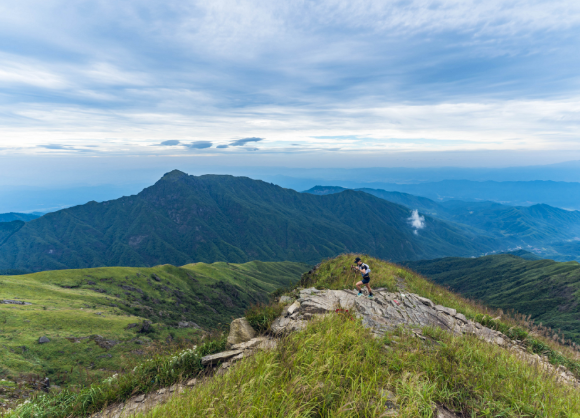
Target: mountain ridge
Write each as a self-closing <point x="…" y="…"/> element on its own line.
<point x="182" y="219"/>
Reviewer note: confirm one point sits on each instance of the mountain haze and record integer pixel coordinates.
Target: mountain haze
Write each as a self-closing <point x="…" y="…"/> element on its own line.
<point x="183" y="219"/>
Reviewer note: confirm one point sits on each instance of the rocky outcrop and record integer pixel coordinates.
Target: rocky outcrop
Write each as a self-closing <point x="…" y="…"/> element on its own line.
<point x="14" y="302"/>
<point x="240" y="332"/>
<point x="386" y="311"/>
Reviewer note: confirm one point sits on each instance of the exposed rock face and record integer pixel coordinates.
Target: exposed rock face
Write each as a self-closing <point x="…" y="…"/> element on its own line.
<point x="43" y="340"/>
<point x="240" y="332"/>
<point x="384" y="312"/>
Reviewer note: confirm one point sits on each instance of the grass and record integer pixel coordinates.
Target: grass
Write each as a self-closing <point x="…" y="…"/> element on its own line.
<point x="335" y="274"/>
<point x="335" y="368"/>
<point x="157" y="372"/>
<point x="70" y="306"/>
<point x="261" y="316"/>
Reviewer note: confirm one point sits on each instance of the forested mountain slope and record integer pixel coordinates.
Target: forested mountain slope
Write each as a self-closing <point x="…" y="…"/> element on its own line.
<point x="555" y="231"/>
<point x="183" y="219"/>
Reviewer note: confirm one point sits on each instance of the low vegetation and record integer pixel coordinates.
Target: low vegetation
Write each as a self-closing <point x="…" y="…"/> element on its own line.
<point x="336" y="368"/>
<point x="156" y="372"/>
<point x="94" y="317"/>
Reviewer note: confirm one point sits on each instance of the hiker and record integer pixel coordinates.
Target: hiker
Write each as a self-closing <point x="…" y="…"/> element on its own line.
<point x="366" y="278"/>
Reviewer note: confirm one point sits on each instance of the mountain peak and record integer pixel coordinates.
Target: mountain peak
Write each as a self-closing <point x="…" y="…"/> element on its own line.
<point x="173" y="175"/>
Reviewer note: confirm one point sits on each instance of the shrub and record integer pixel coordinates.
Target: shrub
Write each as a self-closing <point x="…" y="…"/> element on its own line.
<point x="261" y="316"/>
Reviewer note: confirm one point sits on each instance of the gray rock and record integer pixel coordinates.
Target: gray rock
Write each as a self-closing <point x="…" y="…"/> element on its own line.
<point x="15" y="302"/>
<point x="293" y="308"/>
<point x="279" y="325"/>
<point x="425" y="301"/>
<point x="461" y="317"/>
<point x="240" y="332"/>
<point x="286" y="299"/>
<point x="185" y="324"/>
<point x="448" y="311"/>
<point x="249" y="344"/>
<point x="219" y="357"/>
<point x="43" y="340"/>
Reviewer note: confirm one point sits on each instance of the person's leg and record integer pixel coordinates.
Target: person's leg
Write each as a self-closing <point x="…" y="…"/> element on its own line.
<point x="369" y="288"/>
<point x="358" y="286"/>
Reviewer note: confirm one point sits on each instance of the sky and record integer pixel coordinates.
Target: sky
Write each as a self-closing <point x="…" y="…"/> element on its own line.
<point x="317" y="83"/>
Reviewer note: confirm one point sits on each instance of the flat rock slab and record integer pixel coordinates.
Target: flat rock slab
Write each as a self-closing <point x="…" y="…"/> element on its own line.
<point x="385" y="312"/>
<point x="223" y="356"/>
<point x="14" y="302"/>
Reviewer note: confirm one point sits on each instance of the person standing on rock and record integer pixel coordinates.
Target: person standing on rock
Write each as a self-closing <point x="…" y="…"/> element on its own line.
<point x="365" y="271"/>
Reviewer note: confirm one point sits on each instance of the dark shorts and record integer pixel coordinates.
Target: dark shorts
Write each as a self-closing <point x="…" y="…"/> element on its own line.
<point x="366" y="279"/>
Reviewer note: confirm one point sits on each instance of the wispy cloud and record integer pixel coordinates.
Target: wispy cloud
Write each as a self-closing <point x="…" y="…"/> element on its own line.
<point x="369" y="76"/>
<point x="244" y="141"/>
<point x="200" y="144"/>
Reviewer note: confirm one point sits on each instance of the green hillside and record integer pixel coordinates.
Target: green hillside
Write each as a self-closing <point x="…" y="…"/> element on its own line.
<point x="547" y="290"/>
<point x="183" y="219"/>
<point x="88" y="314"/>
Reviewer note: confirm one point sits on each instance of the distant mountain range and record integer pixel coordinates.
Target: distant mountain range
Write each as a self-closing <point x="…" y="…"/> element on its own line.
<point x="12" y="216"/>
<point x="560" y="194"/>
<point x="545" y="289"/>
<point x="183" y="219"/>
<point x="550" y="231"/>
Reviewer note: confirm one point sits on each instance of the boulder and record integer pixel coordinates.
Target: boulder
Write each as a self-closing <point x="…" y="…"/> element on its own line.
<point x="43" y="340"/>
<point x="220" y="357"/>
<point x="240" y="332"/>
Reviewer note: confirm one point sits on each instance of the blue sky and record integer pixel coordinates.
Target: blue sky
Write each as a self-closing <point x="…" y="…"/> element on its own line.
<point x="236" y="81"/>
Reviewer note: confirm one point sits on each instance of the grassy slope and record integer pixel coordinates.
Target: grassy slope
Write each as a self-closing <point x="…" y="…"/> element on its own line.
<point x="211" y="218"/>
<point x="549" y="291"/>
<point x="336" y="368"/>
<point x="67" y="303"/>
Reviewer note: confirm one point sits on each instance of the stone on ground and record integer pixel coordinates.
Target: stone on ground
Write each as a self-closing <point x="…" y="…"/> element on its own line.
<point x="240" y="332"/>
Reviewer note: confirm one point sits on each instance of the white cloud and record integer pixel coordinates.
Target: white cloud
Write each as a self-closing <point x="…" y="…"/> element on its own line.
<point x="416" y="221"/>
